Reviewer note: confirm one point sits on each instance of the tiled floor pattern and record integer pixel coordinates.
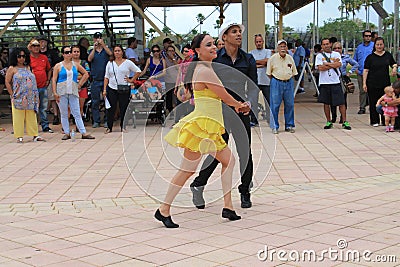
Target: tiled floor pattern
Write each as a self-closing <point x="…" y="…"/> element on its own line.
<point x="75" y="204"/>
<point x="364" y="212"/>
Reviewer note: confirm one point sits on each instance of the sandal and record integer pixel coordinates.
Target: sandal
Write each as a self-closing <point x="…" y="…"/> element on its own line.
<point x="20" y="140"/>
<point x="108" y="130"/>
<point x="38" y="139"/>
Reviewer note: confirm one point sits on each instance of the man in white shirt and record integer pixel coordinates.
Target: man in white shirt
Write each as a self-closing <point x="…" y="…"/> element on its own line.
<point x="331" y="93"/>
<point x="261" y="55"/>
<point x="130" y="52"/>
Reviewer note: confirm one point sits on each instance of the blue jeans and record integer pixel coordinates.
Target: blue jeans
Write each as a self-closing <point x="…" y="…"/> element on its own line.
<point x="44" y="122"/>
<point x="282" y="91"/>
<point x="95" y="91"/>
<point x="73" y="102"/>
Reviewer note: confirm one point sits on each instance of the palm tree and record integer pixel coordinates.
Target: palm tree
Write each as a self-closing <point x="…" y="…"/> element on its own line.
<point x="200" y="19"/>
<point x="217" y="25"/>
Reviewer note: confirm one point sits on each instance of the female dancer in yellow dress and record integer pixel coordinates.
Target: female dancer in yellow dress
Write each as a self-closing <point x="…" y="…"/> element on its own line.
<point x="201" y="131"/>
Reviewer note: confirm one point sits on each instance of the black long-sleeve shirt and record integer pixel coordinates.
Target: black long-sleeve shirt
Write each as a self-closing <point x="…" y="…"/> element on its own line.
<point x="231" y="77"/>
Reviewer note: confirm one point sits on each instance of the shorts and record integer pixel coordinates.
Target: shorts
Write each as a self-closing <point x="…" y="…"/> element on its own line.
<point x="331" y="94"/>
<point x="83" y="93"/>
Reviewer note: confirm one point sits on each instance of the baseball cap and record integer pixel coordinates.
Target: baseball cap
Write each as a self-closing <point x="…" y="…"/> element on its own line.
<point x="97" y="35"/>
<point x="34" y="42"/>
<point x="167" y="40"/>
<point x="282" y="41"/>
<point x="228" y="26"/>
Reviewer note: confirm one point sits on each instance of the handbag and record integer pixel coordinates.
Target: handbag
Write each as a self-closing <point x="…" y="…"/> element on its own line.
<point x="121" y="88"/>
<point x="348" y="84"/>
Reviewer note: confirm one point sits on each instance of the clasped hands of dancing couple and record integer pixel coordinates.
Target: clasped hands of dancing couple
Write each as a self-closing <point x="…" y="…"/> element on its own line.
<point x="201" y="131"/>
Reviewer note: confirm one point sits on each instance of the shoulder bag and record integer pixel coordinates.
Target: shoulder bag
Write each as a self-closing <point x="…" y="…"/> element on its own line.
<point x="121" y="88"/>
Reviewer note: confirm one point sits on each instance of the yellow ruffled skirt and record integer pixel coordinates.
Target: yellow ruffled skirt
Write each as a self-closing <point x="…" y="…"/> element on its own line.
<point x="197" y="133"/>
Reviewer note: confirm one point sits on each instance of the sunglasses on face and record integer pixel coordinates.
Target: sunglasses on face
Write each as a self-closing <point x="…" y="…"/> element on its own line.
<point x="155" y="51"/>
<point x="367" y="35"/>
<point x="258" y="34"/>
<point x="185" y="51"/>
<point x="67" y="52"/>
<point x="35" y="45"/>
<point x="21" y="56"/>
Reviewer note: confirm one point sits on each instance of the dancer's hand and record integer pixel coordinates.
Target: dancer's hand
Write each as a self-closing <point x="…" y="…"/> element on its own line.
<point x="244" y="108"/>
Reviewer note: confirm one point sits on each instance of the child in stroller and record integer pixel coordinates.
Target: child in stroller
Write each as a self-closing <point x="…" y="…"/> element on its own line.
<point x="151" y="89"/>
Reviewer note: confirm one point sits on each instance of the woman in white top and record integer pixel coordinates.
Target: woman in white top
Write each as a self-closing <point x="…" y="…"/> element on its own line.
<point x="118" y="70"/>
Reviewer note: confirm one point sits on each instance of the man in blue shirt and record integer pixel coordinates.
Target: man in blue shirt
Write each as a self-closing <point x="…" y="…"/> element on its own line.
<point x="98" y="57"/>
<point x="299" y="56"/>
<point x="231" y="55"/>
<point x="362" y="51"/>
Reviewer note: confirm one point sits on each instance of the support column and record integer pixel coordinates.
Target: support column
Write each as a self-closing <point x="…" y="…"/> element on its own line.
<point x="253" y="18"/>
<point x="64" y="26"/>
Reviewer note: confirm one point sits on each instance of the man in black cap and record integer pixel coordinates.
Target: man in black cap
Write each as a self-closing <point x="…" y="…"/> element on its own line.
<point x="98" y="57"/>
<point x="51" y="53"/>
<point x="233" y="56"/>
<point x="166" y="42"/>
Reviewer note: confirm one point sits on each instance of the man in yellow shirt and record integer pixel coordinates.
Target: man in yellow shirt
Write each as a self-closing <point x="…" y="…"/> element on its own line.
<point x="281" y="69"/>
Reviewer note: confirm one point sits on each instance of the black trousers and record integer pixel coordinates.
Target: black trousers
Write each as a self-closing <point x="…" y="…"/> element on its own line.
<point x="182" y="109"/>
<point x="373" y="95"/>
<point x="266" y="90"/>
<point x="243" y="148"/>
<point x="169" y="96"/>
<point x="115" y="97"/>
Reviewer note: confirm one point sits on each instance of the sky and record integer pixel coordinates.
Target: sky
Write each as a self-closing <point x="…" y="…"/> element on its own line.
<point x="183" y="19"/>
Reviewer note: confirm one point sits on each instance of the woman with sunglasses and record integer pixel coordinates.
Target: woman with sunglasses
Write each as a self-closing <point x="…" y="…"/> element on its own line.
<point x="22" y="87"/>
<point x="156" y="65"/>
<point x="65" y="88"/>
<point x="118" y="70"/>
<point x="345" y="75"/>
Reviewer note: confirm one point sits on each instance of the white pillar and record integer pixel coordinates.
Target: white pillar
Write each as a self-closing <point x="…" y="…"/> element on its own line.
<point x="253" y="18"/>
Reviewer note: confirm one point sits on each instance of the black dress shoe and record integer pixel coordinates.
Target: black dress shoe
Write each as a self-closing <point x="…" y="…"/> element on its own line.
<point x="361" y="111"/>
<point x="230" y="214"/>
<point x="167" y="221"/>
<point x="245" y="199"/>
<point x="198" y="199"/>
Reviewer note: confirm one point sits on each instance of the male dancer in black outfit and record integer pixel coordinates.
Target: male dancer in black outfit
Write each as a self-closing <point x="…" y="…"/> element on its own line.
<point x="234" y="57"/>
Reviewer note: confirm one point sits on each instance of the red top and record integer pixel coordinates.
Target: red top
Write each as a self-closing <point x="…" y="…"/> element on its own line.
<point x="40" y="66"/>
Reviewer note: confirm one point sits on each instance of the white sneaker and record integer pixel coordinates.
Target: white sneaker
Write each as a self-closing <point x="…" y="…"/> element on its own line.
<point x="375" y="125"/>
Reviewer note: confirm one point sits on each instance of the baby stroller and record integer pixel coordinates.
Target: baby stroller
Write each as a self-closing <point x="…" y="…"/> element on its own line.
<point x="147" y="102"/>
<point x="87" y="107"/>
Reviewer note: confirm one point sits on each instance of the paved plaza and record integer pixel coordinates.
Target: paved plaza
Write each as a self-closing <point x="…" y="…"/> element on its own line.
<point x="331" y="198"/>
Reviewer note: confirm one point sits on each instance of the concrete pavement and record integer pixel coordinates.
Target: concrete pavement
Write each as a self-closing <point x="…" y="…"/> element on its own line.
<point x="75" y="203"/>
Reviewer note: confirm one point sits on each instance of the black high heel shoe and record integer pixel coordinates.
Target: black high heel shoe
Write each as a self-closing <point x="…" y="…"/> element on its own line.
<point x="167" y="221"/>
<point x="230" y="214"/>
